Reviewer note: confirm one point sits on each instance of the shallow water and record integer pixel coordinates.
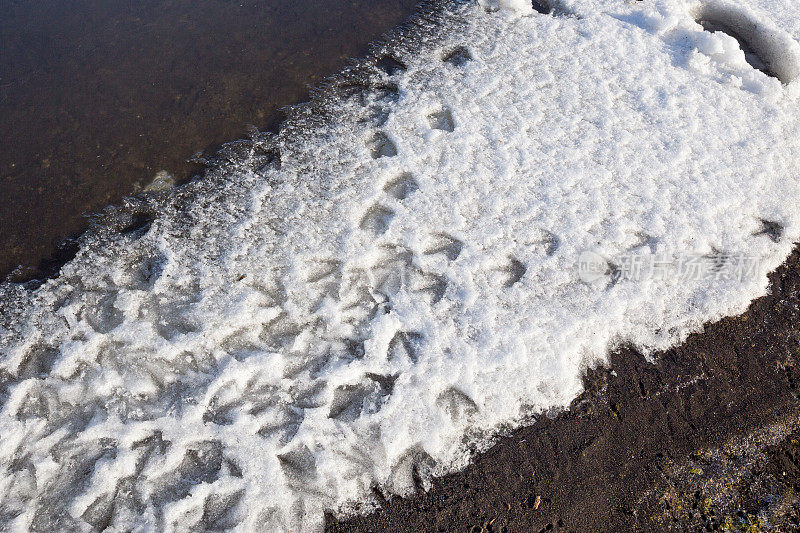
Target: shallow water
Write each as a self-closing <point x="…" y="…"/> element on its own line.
<point x="97" y="96"/>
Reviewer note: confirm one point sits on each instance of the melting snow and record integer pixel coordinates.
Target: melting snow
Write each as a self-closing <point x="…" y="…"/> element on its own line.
<point x="367" y="298"/>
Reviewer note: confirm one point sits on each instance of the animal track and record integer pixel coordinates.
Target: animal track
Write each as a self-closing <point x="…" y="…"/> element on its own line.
<point x="351" y="401"/>
<point x="280" y="332"/>
<point x="391" y="272"/>
<point x="401" y="187"/>
<point x="645" y="241"/>
<point x="348" y="401"/>
<point x="390" y="65"/>
<point x="298" y="464"/>
<point x="357" y="301"/>
<point x="773" y="230"/>
<point x="219" y="510"/>
<point x="138" y="224"/>
<point x="442" y="120"/>
<point x="201" y="464"/>
<point x="173" y="316"/>
<point x="445" y="244"/>
<point x="377" y="219"/>
<point x="405" y="344"/>
<point x="458" y="57"/>
<point x="285" y="426"/>
<point x="264" y="159"/>
<point x="103" y="316"/>
<point x="354" y="89"/>
<point x="382" y="146"/>
<point x="387" y="92"/>
<point x="434" y="285"/>
<point x="379" y="116"/>
<point x="411" y="471"/>
<point x="549" y="241"/>
<point x="512" y="271"/>
<point x="718" y="259"/>
<point x="37" y="361"/>
<point x="456" y="404"/>
<point x="146" y="273"/>
<point x="322" y="269"/>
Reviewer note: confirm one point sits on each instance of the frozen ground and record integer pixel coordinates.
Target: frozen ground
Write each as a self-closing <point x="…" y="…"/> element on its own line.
<point x="365" y="299"/>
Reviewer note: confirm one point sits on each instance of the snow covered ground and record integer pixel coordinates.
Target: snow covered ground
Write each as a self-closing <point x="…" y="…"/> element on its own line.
<point x="429" y="254"/>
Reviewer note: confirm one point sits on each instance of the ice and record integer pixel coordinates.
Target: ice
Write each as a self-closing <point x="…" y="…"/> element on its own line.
<point x="338" y="312"/>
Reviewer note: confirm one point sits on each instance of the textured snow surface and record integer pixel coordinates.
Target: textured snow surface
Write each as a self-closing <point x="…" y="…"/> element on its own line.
<point x="367" y="298"/>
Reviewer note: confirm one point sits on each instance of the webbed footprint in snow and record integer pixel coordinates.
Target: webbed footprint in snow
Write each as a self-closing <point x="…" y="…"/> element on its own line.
<point x="405" y="344"/>
<point x="458" y="56"/>
<point x="442" y="120"/>
<point x="382" y="146"/>
<point x="401" y="186"/>
<point x="429" y="283"/>
<point x="773" y="230"/>
<point x="447" y="245"/>
<point x="390" y="65"/>
<point x="510" y="271"/>
<point x="377" y="219"/>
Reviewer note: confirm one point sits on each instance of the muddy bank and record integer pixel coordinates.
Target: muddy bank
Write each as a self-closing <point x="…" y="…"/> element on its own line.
<point x="704" y="439"/>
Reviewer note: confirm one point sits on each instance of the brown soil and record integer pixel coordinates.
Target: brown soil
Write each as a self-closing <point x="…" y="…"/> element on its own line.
<point x="704" y="439"/>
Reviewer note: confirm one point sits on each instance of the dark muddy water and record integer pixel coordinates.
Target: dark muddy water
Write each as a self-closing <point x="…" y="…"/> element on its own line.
<point x="97" y="96"/>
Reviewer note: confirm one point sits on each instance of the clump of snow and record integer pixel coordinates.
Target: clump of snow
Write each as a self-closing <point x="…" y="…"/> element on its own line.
<point x="162" y="181"/>
<point x="370" y="296"/>
<point x="523" y="7"/>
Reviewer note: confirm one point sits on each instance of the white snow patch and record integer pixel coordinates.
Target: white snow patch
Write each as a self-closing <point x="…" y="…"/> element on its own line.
<point x="406" y="283"/>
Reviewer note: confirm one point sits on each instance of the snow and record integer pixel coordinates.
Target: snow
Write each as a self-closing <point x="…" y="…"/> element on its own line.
<point x="402" y="283"/>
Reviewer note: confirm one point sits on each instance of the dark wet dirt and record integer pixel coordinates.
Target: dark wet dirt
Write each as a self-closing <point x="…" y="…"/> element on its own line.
<point x="678" y="444"/>
<point x="97" y="96"/>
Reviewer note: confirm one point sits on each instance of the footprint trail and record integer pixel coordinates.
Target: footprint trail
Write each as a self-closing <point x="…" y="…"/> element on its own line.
<point x="338" y="312"/>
